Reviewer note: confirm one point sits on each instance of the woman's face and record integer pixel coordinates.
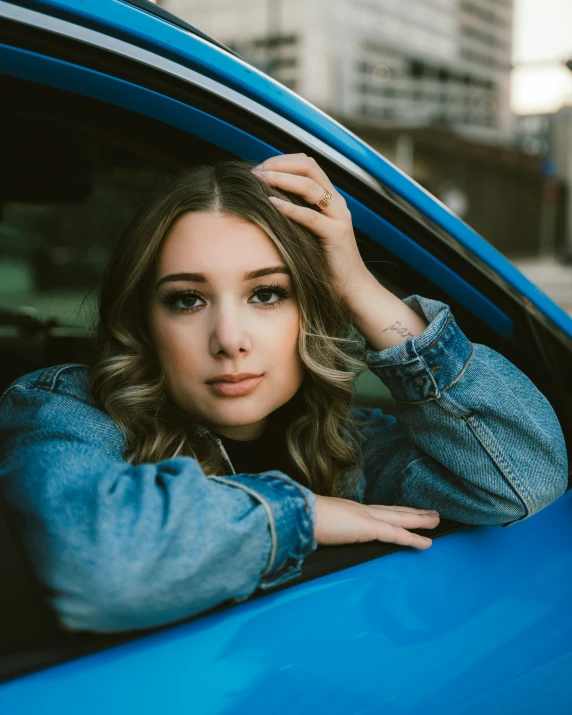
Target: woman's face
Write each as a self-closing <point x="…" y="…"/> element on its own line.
<point x="224" y="322"/>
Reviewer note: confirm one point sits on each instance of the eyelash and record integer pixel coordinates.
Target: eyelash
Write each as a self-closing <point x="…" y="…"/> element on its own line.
<point x="173" y="295"/>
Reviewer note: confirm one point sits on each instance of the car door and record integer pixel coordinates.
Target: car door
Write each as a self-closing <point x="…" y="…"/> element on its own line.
<point x="107" y="103"/>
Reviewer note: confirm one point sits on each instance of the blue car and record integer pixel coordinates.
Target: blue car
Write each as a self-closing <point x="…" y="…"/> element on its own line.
<point x="103" y="99"/>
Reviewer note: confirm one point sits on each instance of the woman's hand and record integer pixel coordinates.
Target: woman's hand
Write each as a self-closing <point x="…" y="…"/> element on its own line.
<point x="341" y="521"/>
<point x="382" y="317"/>
<point x="300" y="174"/>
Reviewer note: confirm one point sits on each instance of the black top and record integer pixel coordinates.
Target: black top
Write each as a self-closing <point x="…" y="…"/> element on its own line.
<point x="269" y="451"/>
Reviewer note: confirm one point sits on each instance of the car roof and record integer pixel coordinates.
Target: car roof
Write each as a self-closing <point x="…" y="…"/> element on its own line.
<point x="160" y="12"/>
<point x="144" y="24"/>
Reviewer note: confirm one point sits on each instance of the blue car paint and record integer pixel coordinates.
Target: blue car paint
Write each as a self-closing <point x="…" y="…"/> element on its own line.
<point x="448" y="630"/>
<point x="143" y="29"/>
<point x="79" y="80"/>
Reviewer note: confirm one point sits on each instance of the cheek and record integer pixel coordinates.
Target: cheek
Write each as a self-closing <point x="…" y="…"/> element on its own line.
<point x="174" y="346"/>
<point x="284" y="342"/>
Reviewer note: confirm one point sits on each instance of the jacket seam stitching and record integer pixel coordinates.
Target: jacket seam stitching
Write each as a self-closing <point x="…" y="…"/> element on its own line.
<point x="48" y="382"/>
<point x="500" y="460"/>
<point x="53" y="391"/>
<point x="43" y="382"/>
<point x="441" y="333"/>
<point x="444" y="389"/>
<point x="9" y="389"/>
<point x="307" y="511"/>
<point x="225" y="455"/>
<point x="306" y="506"/>
<point x="270" y="514"/>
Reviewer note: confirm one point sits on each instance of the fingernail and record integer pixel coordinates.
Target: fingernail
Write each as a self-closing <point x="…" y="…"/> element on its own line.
<point x="276" y="200"/>
<point x="257" y="169"/>
<point x="433" y="513"/>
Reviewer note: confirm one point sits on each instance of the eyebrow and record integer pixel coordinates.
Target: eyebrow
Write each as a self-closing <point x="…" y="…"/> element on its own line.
<point x="201" y="278"/>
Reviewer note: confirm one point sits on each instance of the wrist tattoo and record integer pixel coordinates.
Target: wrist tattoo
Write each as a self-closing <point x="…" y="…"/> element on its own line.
<point x="400" y="330"/>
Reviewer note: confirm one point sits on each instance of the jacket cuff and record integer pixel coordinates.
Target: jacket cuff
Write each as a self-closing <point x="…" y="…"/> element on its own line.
<point x="421" y="368"/>
<point x="291" y="511"/>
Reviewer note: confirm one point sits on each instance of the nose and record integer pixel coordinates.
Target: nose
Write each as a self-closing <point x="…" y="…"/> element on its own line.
<point x="229" y="335"/>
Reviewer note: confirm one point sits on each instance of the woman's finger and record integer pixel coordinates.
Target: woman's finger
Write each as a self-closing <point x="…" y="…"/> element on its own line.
<point x="303" y="186"/>
<point x="313" y="220"/>
<point x="342" y="521"/>
<point x="298" y="164"/>
<point x="407" y="520"/>
<point x="396" y="535"/>
<point x="411" y="509"/>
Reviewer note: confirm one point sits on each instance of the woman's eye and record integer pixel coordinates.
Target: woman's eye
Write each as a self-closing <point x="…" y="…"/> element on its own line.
<point x="186" y="302"/>
<point x="265" y="295"/>
<point x="181" y="302"/>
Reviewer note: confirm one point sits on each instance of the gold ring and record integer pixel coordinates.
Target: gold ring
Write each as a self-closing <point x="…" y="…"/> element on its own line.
<point x="324" y="202"/>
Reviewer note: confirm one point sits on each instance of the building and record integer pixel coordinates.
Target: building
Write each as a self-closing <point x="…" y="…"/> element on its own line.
<point x="444" y="63"/>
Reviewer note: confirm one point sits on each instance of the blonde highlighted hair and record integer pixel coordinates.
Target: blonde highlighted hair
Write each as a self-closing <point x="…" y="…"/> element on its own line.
<point x="127" y="378"/>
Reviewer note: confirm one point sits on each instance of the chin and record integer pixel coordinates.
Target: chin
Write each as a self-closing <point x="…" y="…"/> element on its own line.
<point x="237" y="415"/>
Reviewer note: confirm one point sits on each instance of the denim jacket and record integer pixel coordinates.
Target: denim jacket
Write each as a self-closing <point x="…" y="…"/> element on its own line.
<point x="123" y="547"/>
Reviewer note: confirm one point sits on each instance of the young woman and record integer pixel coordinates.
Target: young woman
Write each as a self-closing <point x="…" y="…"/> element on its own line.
<point x="212" y="445"/>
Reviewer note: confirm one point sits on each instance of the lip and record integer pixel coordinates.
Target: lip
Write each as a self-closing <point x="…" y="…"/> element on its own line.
<point x="236" y="388"/>
<point x="233" y="377"/>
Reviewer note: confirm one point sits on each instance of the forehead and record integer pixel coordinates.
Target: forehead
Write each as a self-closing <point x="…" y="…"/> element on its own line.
<point x="208" y="242"/>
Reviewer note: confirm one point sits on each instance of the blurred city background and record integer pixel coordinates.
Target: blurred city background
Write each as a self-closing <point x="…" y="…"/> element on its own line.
<point x="472" y="98"/>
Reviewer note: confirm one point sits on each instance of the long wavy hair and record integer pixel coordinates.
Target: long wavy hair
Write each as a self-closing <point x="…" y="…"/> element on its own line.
<point x="128" y="381"/>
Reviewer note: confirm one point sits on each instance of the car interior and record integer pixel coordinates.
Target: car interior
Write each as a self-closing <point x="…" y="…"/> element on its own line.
<point x="73" y="172"/>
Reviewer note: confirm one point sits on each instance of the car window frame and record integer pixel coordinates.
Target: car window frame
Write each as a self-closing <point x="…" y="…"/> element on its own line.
<point x="344" y="557"/>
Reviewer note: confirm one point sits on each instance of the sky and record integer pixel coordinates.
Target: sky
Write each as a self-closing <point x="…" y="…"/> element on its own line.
<point x="542" y="34"/>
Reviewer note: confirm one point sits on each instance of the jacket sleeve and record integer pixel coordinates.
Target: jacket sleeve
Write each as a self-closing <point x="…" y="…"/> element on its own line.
<point x="472" y="436"/>
<point x="123" y="547"/>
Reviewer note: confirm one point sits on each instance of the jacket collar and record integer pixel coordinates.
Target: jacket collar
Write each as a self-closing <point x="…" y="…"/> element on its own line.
<point x="205" y="433"/>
